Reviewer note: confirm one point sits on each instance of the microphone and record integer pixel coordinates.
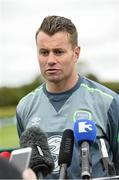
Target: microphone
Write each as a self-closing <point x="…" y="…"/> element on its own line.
<point x="108" y="165"/>
<point x="41" y="159"/>
<point x="5" y="154"/>
<point x="85" y="135"/>
<point x="65" y="153"/>
<point x="105" y="157"/>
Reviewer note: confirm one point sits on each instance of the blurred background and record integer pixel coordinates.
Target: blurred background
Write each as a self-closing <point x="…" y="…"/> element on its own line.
<point x="98" y="27"/>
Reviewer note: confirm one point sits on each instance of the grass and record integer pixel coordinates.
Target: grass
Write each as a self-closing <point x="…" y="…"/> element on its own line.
<point x="9" y="137"/>
<point x="8" y="134"/>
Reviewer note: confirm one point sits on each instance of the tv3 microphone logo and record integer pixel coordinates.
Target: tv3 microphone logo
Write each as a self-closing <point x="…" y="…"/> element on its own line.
<point x="84" y="127"/>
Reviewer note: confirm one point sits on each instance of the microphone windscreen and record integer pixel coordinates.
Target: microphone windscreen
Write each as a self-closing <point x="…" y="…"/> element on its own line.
<point x="41" y="158"/>
<point x="66" y="147"/>
<point x="5" y="154"/>
<point x="84" y="130"/>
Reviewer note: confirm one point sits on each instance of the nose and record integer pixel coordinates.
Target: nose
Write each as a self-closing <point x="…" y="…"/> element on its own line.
<point x="51" y="59"/>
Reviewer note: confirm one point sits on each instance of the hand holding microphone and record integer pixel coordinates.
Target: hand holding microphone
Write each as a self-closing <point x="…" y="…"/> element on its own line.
<point x="85" y="135"/>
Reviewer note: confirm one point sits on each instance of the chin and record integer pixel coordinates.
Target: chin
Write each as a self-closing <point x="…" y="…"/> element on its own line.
<point x="54" y="80"/>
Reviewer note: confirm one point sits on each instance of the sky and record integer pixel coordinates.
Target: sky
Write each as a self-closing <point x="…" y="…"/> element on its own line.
<point x="97" y="24"/>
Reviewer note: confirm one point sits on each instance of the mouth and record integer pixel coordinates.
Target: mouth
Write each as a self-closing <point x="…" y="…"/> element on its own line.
<point x="52" y="70"/>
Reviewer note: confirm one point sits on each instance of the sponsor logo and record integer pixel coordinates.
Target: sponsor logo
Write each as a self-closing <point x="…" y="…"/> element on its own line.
<point x="54" y="145"/>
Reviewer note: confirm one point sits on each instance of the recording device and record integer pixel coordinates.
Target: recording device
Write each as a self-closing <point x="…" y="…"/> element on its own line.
<point x="41" y="159"/>
<point x="108" y="165"/>
<point x="20" y="158"/>
<point x="85" y="135"/>
<point x="65" y="153"/>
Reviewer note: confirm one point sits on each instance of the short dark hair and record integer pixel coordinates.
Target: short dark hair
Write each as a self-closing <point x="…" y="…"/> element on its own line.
<point x="53" y="24"/>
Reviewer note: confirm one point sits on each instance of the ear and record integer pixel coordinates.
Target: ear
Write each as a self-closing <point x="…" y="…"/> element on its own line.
<point x="77" y="52"/>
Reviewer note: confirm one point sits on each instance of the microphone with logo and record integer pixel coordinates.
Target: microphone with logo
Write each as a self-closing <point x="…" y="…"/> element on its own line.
<point x="41" y="159"/>
<point x="85" y="135"/>
<point x="65" y="153"/>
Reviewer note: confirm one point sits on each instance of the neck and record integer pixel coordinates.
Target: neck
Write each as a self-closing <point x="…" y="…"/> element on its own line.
<point x="62" y="86"/>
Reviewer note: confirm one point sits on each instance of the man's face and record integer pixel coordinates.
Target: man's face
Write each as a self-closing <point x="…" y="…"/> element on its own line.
<point x="56" y="57"/>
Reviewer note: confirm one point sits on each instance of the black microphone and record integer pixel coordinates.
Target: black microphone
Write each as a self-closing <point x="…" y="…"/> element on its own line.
<point x="85" y="134"/>
<point x="41" y="159"/>
<point x="65" y="153"/>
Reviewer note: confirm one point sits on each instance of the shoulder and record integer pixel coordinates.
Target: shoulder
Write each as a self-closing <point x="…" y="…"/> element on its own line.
<point x="29" y="98"/>
<point x="106" y="98"/>
<point x="99" y="89"/>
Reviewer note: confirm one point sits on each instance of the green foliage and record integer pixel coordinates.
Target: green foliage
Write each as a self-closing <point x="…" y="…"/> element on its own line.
<point x="11" y="96"/>
<point x="92" y="77"/>
<point x="7" y="111"/>
<point x="112" y="85"/>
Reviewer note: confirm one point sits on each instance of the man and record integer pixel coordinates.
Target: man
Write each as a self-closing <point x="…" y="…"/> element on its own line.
<point x="67" y="96"/>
